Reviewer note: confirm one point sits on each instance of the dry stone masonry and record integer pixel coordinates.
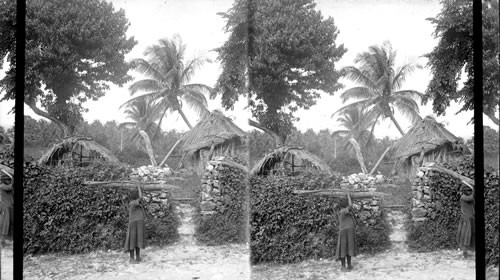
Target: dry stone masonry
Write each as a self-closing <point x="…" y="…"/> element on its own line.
<point x="212" y="197"/>
<point x="422" y="200"/>
<point x="159" y="201"/>
<point x="368" y="210"/>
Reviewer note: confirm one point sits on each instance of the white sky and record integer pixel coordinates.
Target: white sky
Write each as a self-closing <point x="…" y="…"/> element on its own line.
<point x="362" y="23"/>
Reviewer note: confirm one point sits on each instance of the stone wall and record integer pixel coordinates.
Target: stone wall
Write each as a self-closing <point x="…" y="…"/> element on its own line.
<point x="157" y="202"/>
<point x="212" y="193"/>
<point x="211" y="196"/>
<point x="422" y="200"/>
<point x="361" y="181"/>
<point x="369" y="209"/>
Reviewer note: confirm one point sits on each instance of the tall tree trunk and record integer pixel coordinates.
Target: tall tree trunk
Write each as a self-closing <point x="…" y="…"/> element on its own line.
<point x="359" y="155"/>
<point x="396" y="124"/>
<point x="159" y="123"/>
<point x="184" y="118"/>
<point x="149" y="147"/>
<point x="379" y="160"/>
<point x="67" y="131"/>
<point x="169" y="153"/>
<point x="279" y="141"/>
<point x="371" y="131"/>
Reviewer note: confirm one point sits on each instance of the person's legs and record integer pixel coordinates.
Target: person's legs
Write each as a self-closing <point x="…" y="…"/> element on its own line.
<point x="131" y="256"/>
<point x="138" y="254"/>
<point x="349" y="266"/>
<point x="342" y="261"/>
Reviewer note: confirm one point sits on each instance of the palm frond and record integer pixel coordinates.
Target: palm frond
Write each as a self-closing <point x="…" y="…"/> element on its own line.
<point x="356" y="93"/>
<point x="351" y="105"/>
<point x="147" y="85"/>
<point x="356" y="75"/>
<point x="402" y="73"/>
<point x="413" y="94"/>
<point x="145" y="68"/>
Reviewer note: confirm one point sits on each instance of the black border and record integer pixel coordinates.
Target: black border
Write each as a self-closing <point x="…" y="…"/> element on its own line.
<point x="478" y="138"/>
<point x="19" y="139"/>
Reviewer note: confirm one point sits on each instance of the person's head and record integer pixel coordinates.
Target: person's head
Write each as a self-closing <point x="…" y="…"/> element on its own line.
<point x="466" y="190"/>
<point x="343" y="203"/>
<point x="5" y="179"/>
<point x="134" y="194"/>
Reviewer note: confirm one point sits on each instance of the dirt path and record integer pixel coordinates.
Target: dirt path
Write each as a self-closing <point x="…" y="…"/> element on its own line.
<point x="396" y="263"/>
<point x="183" y="260"/>
<point x="6" y="262"/>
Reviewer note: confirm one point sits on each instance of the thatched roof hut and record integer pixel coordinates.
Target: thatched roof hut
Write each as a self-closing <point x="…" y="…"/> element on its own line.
<point x="76" y="151"/>
<point x="215" y="135"/>
<point x="426" y="141"/>
<point x="288" y="160"/>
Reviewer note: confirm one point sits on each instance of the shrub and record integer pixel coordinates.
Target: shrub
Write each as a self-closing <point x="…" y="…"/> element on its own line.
<point x="288" y="228"/>
<point x="63" y="215"/>
<point x="439" y="231"/>
<point x="228" y="224"/>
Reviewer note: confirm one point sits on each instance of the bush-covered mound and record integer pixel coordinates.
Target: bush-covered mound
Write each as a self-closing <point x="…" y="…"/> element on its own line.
<point x="439" y="230"/>
<point x="228" y="223"/>
<point x="63" y="215"/>
<point x="289" y="228"/>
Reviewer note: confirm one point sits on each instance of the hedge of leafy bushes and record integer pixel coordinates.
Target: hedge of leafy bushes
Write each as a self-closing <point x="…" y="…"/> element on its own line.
<point x="289" y="228"/>
<point x="440" y="231"/>
<point x="63" y="215"/>
<point x="229" y="222"/>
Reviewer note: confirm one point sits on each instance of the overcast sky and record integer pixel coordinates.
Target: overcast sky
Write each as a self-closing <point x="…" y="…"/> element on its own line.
<point x="361" y="23"/>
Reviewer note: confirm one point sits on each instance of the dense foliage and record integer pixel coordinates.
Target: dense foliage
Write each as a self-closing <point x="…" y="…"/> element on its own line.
<point x="453" y="55"/>
<point x="440" y="230"/>
<point x="74" y="49"/>
<point x="229" y="222"/>
<point x="281" y="54"/>
<point x="63" y="215"/>
<point x="288" y="228"/>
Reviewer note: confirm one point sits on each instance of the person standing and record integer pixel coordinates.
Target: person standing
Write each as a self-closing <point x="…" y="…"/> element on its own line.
<point x="466" y="227"/>
<point x="135" y="232"/>
<point x="6" y="208"/>
<point x="346" y="243"/>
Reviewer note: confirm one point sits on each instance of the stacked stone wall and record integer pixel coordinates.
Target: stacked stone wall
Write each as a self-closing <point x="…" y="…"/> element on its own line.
<point x="157" y="202"/>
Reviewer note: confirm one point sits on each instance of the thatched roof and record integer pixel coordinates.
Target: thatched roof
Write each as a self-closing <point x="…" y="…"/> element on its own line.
<point x="428" y="135"/>
<point x="212" y="130"/>
<point x="270" y="160"/>
<point x="70" y="143"/>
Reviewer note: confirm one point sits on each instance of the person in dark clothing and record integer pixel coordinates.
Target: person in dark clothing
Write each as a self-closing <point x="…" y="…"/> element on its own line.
<point x="466" y="227"/>
<point x="346" y="243"/>
<point x="135" y="233"/>
<point x="6" y="208"/>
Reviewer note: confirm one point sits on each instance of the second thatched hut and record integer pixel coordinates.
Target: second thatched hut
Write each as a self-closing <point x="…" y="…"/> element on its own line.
<point x="215" y="135"/>
<point x="426" y="141"/>
<point x="287" y="161"/>
<point x="76" y="151"/>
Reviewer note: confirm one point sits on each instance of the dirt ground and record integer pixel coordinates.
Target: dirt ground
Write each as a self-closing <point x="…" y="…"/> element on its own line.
<point x="188" y="260"/>
<point x="6" y="262"/>
<point x="183" y="260"/>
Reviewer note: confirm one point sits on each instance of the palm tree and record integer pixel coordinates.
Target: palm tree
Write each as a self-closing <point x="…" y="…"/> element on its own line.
<point x="143" y="113"/>
<point x="356" y="120"/>
<point x="167" y="75"/>
<point x="380" y="84"/>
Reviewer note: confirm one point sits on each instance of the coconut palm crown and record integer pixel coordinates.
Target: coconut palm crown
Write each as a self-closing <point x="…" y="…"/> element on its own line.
<point x="380" y="85"/>
<point x="356" y="122"/>
<point x="167" y="79"/>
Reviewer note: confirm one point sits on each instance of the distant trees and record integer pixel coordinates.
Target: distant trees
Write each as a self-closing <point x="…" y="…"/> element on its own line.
<point x="280" y="54"/>
<point x="380" y="83"/>
<point x="453" y="56"/>
<point x="74" y="49"/>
